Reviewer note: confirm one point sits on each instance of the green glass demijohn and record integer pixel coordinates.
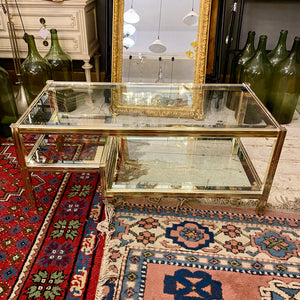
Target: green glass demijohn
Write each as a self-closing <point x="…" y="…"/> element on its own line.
<point x="237" y="64"/>
<point x="279" y="52"/>
<point x="35" y="70"/>
<point x="285" y="89"/>
<point x="258" y="70"/>
<point x="8" y="108"/>
<point x="60" y="61"/>
<point x="244" y="55"/>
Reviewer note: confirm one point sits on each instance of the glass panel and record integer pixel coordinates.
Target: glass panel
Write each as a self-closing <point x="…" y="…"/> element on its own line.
<point x="64" y="149"/>
<point x="187" y="164"/>
<point x="91" y="104"/>
<point x="159" y="95"/>
<point x="259" y="151"/>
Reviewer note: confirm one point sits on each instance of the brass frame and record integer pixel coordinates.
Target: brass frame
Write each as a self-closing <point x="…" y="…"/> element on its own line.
<point x="108" y="161"/>
<point x="196" y="111"/>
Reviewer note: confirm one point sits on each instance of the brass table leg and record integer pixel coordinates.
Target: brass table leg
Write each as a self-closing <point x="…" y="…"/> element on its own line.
<point x="29" y="189"/>
<point x="260" y="207"/>
<point x="262" y="203"/>
<point x="26" y="176"/>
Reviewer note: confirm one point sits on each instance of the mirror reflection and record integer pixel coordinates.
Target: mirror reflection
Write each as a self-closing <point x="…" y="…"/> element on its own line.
<point x="167" y="46"/>
<point x="164" y="95"/>
<point x="159" y="40"/>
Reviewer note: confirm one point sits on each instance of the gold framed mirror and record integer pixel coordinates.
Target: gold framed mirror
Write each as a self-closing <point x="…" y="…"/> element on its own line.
<point x="200" y="46"/>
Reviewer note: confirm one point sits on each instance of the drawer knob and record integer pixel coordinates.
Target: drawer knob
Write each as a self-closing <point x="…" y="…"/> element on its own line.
<point x="42" y="21"/>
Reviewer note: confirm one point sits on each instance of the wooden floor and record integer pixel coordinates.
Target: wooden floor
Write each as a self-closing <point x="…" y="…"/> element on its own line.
<point x="285" y="192"/>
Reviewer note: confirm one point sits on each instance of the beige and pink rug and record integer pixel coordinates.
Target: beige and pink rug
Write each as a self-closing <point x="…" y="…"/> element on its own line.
<point x="160" y="252"/>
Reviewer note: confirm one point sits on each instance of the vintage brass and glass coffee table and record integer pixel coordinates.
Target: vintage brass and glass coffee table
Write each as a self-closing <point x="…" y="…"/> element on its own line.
<point x="153" y="140"/>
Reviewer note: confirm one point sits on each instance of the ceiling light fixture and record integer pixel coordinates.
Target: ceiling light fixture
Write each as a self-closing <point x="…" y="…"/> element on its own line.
<point x="128" y="30"/>
<point x="191" y="19"/>
<point x="129" y="67"/>
<point x="157" y="46"/>
<point x="128" y="42"/>
<point x="131" y="16"/>
<point x="160" y="75"/>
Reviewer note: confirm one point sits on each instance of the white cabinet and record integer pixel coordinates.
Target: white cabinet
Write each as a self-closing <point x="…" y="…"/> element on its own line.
<point x="75" y="21"/>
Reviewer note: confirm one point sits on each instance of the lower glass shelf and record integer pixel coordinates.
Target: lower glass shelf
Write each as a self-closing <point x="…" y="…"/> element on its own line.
<point x="66" y="151"/>
<point x="186" y="165"/>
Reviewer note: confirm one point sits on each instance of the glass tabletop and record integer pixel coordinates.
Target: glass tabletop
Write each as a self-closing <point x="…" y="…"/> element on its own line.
<point x="118" y="106"/>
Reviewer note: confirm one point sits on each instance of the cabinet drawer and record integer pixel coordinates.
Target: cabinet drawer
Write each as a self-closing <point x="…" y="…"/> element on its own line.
<point x="70" y="44"/>
<point x="74" y="21"/>
<point x="63" y="20"/>
<point x="74" y="45"/>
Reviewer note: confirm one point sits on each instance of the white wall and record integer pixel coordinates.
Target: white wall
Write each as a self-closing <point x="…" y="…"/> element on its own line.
<point x="146" y="70"/>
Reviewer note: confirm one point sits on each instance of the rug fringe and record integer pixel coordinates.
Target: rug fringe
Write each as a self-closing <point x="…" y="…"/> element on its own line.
<point x="104" y="228"/>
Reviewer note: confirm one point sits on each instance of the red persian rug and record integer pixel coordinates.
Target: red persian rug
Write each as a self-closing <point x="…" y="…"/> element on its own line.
<point x="54" y="252"/>
<point x="160" y="252"/>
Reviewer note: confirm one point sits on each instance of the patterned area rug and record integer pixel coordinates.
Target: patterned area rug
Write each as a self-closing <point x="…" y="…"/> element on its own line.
<point x="49" y="253"/>
<point x="157" y="252"/>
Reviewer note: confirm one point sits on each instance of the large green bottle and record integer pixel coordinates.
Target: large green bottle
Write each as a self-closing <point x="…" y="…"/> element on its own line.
<point x="237" y="64"/>
<point x="279" y="53"/>
<point x="285" y="88"/>
<point x="258" y="70"/>
<point x="239" y="61"/>
<point x="35" y="70"/>
<point x="60" y="61"/>
<point x="8" y="108"/>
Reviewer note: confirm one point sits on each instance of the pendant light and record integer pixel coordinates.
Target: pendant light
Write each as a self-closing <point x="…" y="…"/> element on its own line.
<point x="191" y="19"/>
<point x="128" y="42"/>
<point x="128" y="30"/>
<point x="129" y="67"/>
<point x="131" y="16"/>
<point x="160" y="75"/>
<point x="157" y="46"/>
<point x="128" y="39"/>
<point x="172" y="65"/>
<point x="171" y="79"/>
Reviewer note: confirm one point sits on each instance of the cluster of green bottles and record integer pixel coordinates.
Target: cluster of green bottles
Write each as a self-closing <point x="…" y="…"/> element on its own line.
<point x="274" y="77"/>
<point x="36" y="70"/>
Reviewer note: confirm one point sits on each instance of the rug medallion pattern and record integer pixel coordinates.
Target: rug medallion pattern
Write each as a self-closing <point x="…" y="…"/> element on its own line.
<point x="164" y="253"/>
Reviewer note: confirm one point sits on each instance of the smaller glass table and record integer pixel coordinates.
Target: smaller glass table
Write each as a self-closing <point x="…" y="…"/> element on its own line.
<point x="154" y="140"/>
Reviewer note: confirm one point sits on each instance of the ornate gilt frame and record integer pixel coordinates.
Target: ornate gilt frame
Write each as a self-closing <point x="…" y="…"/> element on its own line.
<point x="196" y="111"/>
